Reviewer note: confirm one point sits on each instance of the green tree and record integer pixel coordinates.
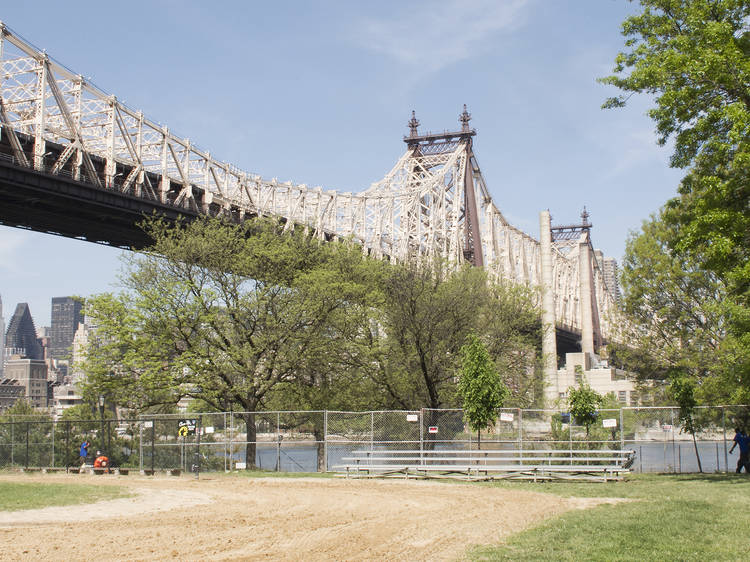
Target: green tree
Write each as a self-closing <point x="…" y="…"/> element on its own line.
<point x="584" y="403"/>
<point x="693" y="56"/>
<point x="510" y="323"/>
<point x="682" y="390"/>
<point x="673" y="306"/>
<point x="219" y="312"/>
<point x="28" y="431"/>
<point x="337" y="380"/>
<point x="23" y="410"/>
<point x="428" y="311"/>
<point x="480" y="386"/>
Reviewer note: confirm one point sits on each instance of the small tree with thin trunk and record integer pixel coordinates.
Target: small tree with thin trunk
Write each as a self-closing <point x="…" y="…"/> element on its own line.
<point x="584" y="402"/>
<point x="682" y="390"/>
<point x="480" y="386"/>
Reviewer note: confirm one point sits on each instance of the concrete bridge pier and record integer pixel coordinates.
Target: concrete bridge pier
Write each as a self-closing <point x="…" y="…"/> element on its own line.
<point x="549" y="342"/>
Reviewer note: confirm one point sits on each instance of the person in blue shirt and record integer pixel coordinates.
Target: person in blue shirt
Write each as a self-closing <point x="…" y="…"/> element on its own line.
<point x="84" y="451"/>
<point x="742" y="441"/>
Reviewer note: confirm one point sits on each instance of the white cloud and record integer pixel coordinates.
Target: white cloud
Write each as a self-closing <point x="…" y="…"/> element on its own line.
<point x="433" y="35"/>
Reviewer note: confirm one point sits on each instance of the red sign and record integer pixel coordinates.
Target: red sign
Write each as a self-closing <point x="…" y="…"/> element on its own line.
<point x="432" y="429"/>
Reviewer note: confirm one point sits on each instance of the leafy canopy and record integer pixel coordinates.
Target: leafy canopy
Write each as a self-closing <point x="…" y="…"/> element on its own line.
<point x="480" y="386"/>
<point x="693" y="57"/>
<point x="584" y="403"/>
<point x="219" y="312"/>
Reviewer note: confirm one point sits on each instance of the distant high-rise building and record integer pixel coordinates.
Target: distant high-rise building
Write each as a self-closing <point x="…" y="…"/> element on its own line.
<point x="21" y="339"/>
<point x="609" y="272"/>
<point x="67" y="314"/>
<point x="32" y="375"/>
<point x="80" y="342"/>
<point x="609" y="269"/>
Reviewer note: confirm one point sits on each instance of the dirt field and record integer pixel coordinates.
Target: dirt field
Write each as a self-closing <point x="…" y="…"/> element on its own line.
<point x="225" y="518"/>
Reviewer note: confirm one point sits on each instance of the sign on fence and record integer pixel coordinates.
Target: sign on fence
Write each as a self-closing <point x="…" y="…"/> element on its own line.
<point x="506" y="417"/>
<point x="186" y="427"/>
<point x="412" y="417"/>
<point x="609" y="422"/>
<point x="432" y="429"/>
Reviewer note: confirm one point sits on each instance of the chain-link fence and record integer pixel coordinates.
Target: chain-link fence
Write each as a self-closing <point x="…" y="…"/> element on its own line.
<point x="310" y="441"/>
<point x="31" y="443"/>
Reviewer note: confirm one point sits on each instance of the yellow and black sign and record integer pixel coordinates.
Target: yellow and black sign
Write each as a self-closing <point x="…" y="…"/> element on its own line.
<point x="186" y="427"/>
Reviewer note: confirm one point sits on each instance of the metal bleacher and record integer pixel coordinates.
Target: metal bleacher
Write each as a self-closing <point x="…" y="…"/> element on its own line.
<point x="491" y="464"/>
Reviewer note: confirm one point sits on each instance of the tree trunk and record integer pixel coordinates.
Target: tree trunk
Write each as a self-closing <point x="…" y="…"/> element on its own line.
<point x="251" y="438"/>
<point x="320" y="446"/>
<point x="479" y="439"/>
<point x="697" y="455"/>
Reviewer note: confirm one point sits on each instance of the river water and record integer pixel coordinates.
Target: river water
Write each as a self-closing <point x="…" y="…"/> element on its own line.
<point x="650" y="456"/>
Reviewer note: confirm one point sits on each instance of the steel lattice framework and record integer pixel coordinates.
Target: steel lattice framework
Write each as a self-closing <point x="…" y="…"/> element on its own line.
<point x="434" y="202"/>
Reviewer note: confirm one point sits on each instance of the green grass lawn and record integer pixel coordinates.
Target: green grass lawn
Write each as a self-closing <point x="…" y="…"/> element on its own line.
<point x="15" y="495"/>
<point x="671" y="517"/>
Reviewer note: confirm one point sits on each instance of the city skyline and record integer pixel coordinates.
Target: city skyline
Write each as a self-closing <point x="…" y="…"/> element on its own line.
<point x="323" y="94"/>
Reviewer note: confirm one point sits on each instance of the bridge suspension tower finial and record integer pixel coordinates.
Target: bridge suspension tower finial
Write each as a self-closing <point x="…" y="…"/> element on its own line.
<point x="585" y="217"/>
<point x="413" y="124"/>
<point x="464" y="118"/>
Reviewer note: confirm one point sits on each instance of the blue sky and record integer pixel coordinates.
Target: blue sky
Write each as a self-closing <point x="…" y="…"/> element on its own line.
<point x="320" y="93"/>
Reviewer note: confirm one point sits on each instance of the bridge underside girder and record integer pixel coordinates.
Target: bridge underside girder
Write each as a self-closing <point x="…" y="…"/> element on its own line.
<point x="59" y="205"/>
<point x="568" y="341"/>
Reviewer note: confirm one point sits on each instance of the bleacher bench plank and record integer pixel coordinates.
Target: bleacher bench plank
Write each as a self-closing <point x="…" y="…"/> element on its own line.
<point x="534" y="464"/>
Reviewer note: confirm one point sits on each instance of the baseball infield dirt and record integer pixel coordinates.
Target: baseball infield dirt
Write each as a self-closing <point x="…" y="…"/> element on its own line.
<point x="237" y="518"/>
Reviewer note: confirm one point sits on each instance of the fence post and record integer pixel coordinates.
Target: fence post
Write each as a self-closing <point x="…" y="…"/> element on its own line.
<point x="226" y="444"/>
<point x="12" y="439"/>
<point x="325" y="439"/>
<point x="520" y="436"/>
<point x="197" y="457"/>
<point x="372" y="431"/>
<point x="570" y="437"/>
<point x="278" y="442"/>
<point x="718" y="466"/>
<point x="231" y="436"/>
<point x="724" y="427"/>
<point x="421" y="436"/>
<point x="622" y="431"/>
<point x="26" y="460"/>
<point x="671" y="413"/>
<point x="53" y="443"/>
<point x="140" y="444"/>
<point x="153" y="443"/>
<point x="67" y="445"/>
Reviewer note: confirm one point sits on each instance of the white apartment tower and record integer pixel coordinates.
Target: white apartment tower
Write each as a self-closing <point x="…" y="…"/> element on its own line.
<point x="608" y="266"/>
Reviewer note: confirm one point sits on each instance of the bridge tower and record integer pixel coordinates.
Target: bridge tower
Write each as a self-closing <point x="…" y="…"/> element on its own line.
<point x="432" y="150"/>
<point x="574" y="242"/>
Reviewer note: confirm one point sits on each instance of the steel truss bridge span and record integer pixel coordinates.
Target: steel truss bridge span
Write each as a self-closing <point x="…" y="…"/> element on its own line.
<point x="76" y="161"/>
